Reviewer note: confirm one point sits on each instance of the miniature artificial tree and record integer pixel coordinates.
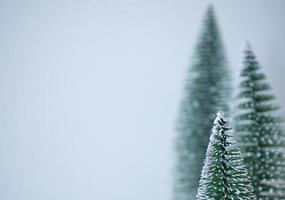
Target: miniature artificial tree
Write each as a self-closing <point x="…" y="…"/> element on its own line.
<point x="207" y="91"/>
<point x="224" y="176"/>
<point x="258" y="127"/>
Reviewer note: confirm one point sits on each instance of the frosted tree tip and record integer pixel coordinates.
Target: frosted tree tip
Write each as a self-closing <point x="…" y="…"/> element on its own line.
<point x="246" y="46"/>
<point x="221" y="115"/>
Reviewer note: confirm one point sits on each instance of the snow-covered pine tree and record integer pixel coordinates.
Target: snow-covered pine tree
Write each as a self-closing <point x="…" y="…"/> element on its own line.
<point x="259" y="129"/>
<point x="224" y="176"/>
<point x="206" y="92"/>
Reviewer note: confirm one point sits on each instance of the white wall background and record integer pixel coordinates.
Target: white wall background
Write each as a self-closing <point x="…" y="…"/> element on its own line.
<point x="90" y="90"/>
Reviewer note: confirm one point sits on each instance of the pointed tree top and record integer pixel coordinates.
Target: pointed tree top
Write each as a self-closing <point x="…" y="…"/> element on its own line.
<point x="210" y="7"/>
<point x="210" y="10"/>
<point x="221" y="115"/>
<point x="246" y="46"/>
<point x="221" y="120"/>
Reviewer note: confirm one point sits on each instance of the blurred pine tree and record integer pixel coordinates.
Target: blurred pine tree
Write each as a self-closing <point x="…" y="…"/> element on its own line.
<point x="207" y="91"/>
<point x="259" y="130"/>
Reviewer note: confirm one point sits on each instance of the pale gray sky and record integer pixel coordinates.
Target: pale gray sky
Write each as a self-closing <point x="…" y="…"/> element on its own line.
<point x="90" y="90"/>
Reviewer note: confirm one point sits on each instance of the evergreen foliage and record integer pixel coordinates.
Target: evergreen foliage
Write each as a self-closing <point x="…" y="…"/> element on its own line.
<point x="224" y="176"/>
<point x="206" y="92"/>
<point x="260" y="133"/>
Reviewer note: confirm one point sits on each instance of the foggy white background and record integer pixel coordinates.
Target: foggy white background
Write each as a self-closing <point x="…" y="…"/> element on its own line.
<point x="90" y="90"/>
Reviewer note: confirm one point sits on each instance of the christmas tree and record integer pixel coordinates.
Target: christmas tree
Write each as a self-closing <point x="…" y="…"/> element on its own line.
<point x="259" y="129"/>
<point x="206" y="92"/>
<point x="224" y="176"/>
